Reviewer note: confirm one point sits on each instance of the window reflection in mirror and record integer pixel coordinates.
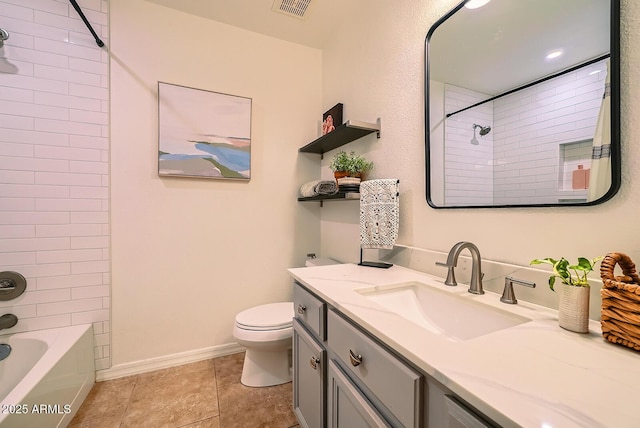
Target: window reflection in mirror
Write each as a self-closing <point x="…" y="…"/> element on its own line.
<point x="522" y="104"/>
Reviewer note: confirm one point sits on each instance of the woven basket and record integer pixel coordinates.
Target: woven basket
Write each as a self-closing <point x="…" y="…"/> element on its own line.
<point x="620" y="317"/>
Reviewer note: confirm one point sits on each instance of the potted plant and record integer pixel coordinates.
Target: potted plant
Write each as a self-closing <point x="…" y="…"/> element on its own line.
<point x="573" y="307"/>
<point x="350" y="164"/>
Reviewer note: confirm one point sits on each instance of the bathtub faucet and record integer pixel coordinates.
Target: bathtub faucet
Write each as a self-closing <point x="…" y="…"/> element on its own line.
<point x="8" y="321"/>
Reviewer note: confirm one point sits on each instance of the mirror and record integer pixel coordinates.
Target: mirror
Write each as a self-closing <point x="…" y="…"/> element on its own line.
<point x="516" y="112"/>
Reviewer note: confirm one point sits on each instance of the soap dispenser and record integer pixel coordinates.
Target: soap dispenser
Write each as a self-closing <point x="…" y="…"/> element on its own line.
<point x="580" y="178"/>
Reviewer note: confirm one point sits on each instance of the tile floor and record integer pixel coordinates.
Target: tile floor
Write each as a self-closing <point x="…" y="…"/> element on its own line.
<point x="205" y="394"/>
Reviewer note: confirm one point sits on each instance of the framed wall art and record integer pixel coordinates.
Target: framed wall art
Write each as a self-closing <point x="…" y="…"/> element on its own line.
<point x="332" y="118"/>
<point x="203" y="134"/>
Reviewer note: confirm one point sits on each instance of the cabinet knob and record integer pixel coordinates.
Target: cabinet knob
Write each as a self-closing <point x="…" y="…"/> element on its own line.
<point x="314" y="362"/>
<point x="356" y="360"/>
<point x="301" y="309"/>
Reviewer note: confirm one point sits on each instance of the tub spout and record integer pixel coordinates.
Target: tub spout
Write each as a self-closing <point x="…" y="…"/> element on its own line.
<point x="8" y="321"/>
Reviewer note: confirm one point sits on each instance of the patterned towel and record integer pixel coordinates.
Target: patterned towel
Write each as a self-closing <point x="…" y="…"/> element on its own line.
<point x="318" y="187"/>
<point x="379" y="213"/>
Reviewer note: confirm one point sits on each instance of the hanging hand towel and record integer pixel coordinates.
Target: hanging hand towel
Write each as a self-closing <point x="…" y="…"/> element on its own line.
<point x="379" y="213"/>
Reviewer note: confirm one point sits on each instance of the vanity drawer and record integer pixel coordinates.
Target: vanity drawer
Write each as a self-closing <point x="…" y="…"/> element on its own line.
<point x="310" y="310"/>
<point x="395" y="385"/>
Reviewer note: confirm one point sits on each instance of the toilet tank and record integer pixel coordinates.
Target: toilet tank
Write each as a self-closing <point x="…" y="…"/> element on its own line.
<point x="320" y="261"/>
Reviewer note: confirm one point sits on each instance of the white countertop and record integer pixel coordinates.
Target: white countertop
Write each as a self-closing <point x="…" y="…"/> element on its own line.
<point x="535" y="374"/>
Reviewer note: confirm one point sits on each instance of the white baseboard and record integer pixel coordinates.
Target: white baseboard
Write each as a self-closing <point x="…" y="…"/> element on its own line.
<point x="166" y="361"/>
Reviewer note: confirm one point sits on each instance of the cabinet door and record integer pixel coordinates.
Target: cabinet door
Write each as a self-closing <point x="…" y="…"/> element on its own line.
<point x="459" y="416"/>
<point x="309" y="391"/>
<point x="348" y="408"/>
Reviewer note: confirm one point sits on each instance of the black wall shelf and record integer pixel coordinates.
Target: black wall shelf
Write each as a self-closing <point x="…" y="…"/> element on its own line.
<point x="340" y="196"/>
<point x="349" y="131"/>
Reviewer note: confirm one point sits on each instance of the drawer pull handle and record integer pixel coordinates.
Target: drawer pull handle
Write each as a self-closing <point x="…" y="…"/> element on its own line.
<point x="356" y="360"/>
<point x="314" y="362"/>
<point x="301" y="309"/>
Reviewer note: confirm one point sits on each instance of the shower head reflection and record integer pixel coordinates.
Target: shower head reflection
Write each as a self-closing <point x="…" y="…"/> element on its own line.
<point x="4" y="35"/>
<point x="484" y="130"/>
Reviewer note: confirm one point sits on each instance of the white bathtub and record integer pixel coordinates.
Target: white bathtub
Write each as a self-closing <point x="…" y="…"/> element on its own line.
<point x="46" y="377"/>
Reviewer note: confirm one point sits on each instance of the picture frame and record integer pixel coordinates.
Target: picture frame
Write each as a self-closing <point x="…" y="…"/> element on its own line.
<point x="203" y="134"/>
<point x="332" y="118"/>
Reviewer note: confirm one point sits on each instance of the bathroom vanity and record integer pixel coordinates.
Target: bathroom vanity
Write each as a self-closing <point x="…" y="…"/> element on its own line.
<point x="366" y="355"/>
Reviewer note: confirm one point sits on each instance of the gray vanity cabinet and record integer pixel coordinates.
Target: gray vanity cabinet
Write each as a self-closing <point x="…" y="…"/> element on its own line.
<point x="309" y="359"/>
<point x="347" y="407"/>
<point x="343" y="377"/>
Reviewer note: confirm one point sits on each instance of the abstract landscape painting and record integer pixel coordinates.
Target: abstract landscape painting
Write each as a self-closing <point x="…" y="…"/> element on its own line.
<point x="203" y="134"/>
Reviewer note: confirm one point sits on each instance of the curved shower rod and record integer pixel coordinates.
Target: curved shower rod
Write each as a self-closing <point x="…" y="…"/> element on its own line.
<point x="86" y="22"/>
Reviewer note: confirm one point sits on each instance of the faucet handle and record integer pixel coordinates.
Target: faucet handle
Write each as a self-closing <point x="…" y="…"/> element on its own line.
<point x="451" y="275"/>
<point x="508" y="296"/>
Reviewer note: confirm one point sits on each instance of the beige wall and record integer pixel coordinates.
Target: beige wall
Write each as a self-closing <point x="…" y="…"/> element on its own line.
<point x="379" y="72"/>
<point x="189" y="254"/>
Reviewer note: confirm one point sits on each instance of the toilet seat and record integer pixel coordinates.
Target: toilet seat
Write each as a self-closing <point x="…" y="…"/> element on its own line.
<point x="272" y="316"/>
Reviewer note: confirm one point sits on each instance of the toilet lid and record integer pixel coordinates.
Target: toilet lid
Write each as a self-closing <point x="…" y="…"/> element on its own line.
<point x="272" y="316"/>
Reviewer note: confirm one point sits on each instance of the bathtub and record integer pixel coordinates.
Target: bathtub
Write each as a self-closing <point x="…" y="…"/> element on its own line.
<point x="46" y="376"/>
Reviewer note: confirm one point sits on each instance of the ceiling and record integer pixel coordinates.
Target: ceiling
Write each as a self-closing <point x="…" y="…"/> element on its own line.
<point x="321" y="19"/>
<point x="503" y="45"/>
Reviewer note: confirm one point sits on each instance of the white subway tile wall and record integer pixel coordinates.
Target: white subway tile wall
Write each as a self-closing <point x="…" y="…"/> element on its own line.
<point x="54" y="166"/>
<point x="539" y="136"/>
<point x="468" y="167"/>
<point x="533" y="127"/>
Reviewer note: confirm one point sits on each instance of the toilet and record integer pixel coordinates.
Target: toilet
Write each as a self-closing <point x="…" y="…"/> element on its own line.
<point x="266" y="331"/>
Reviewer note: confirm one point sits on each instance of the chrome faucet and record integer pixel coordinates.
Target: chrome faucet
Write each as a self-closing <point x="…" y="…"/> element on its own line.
<point x="475" y="286"/>
<point x="8" y="321"/>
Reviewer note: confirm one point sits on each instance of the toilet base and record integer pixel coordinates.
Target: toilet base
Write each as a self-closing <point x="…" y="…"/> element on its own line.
<point x="266" y="367"/>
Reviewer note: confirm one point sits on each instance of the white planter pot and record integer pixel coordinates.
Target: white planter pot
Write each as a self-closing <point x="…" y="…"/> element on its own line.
<point x="573" y="307"/>
<point x="348" y="181"/>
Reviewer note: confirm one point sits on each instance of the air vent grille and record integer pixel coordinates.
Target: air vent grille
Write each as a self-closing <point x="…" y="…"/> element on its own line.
<point x="296" y="8"/>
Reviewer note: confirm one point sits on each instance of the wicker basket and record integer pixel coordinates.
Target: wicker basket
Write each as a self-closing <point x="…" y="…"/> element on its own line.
<point x="620" y="317"/>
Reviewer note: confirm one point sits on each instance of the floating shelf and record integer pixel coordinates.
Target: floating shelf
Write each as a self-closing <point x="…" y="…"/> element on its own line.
<point x="349" y="131"/>
<point x="340" y="196"/>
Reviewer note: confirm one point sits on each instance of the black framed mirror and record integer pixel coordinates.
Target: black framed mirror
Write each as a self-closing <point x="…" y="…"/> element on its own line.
<point x="523" y="104"/>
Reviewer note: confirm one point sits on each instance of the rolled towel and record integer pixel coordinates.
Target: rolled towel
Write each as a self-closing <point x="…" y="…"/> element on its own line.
<point x="318" y="187"/>
<point x="308" y="190"/>
<point x="326" y="187"/>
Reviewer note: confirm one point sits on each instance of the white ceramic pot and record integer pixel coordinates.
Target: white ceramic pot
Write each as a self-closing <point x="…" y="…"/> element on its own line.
<point x="573" y="307"/>
<point x="348" y="181"/>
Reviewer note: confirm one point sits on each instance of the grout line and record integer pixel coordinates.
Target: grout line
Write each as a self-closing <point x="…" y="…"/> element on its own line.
<point x="124" y="413"/>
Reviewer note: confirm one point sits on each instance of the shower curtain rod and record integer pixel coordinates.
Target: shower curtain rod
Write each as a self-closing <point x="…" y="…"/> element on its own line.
<point x="528" y="85"/>
<point x="86" y="22"/>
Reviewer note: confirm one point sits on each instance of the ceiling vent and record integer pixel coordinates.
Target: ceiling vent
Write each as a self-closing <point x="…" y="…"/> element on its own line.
<point x="296" y="8"/>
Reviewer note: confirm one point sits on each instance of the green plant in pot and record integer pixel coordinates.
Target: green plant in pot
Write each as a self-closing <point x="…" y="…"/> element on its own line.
<point x="573" y="306"/>
<point x="563" y="270"/>
<point x="350" y="164"/>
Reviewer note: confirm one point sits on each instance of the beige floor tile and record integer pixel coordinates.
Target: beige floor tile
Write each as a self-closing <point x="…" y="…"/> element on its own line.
<point x="229" y="368"/>
<point x="207" y="423"/>
<point x="106" y="401"/>
<point x="242" y="406"/>
<point x="178" y="371"/>
<point x="205" y="394"/>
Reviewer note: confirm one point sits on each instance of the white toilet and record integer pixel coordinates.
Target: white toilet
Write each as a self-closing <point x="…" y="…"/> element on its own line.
<point x="266" y="331"/>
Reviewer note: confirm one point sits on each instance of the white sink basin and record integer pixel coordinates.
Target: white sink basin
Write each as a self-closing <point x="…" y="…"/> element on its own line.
<point x="456" y="317"/>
